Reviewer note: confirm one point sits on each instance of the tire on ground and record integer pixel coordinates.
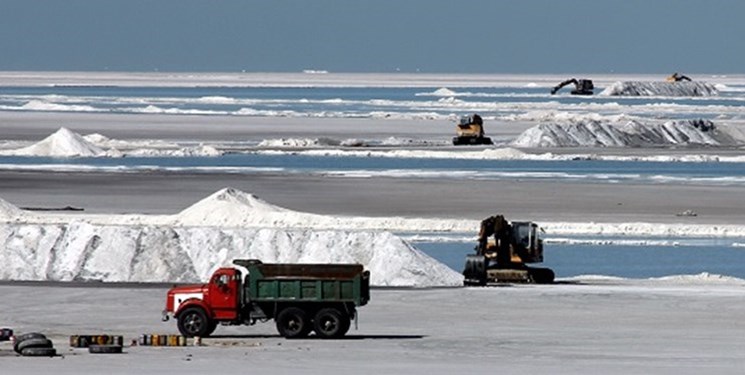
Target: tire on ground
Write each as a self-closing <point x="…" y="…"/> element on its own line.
<point x="38" y="352"/>
<point x="34" y="343"/>
<point x="105" y="349"/>
<point x="24" y="337"/>
<point x="194" y="322"/>
<point x="330" y="323"/>
<point x="292" y="322"/>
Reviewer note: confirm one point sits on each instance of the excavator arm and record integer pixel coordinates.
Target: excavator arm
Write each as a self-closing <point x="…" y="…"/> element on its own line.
<point x="559" y="86"/>
<point x="677" y="77"/>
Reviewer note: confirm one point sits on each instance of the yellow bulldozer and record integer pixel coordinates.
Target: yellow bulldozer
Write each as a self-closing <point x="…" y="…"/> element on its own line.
<point x="504" y="249"/>
<point x="470" y="131"/>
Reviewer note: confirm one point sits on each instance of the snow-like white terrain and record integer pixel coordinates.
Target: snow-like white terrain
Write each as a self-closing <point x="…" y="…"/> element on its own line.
<point x="62" y="143"/>
<point x="66" y="143"/>
<point x="635" y="88"/>
<point x="81" y="251"/>
<point x="594" y="133"/>
<point x="191" y="245"/>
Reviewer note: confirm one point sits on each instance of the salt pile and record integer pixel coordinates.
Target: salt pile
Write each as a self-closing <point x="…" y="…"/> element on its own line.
<point x="592" y="133"/>
<point x="66" y="143"/>
<point x="62" y="143"/>
<point x="81" y="251"/>
<point x="633" y="88"/>
<point x="172" y="252"/>
<point x="310" y="142"/>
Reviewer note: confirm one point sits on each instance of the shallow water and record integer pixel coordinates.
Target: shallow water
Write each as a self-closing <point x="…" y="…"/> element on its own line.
<point x="590" y="171"/>
<point x="637" y="262"/>
<point x="353" y="102"/>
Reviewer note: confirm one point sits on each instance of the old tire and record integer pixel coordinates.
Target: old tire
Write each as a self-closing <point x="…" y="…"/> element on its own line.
<point x="292" y="322"/>
<point x="194" y="322"/>
<point x="39" y="352"/>
<point x="105" y="349"/>
<point x="26" y="336"/>
<point x="330" y="323"/>
<point x="34" y="343"/>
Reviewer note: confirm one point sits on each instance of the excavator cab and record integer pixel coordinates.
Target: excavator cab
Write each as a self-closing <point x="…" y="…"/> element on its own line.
<point x="470" y="131"/>
<point x="504" y="249"/>
<point x="528" y="246"/>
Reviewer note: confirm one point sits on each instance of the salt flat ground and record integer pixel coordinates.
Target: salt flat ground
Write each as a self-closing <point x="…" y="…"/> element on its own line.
<point x="611" y="327"/>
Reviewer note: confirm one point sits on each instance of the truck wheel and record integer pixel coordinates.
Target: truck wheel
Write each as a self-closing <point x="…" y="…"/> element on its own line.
<point x="194" y="322"/>
<point x="293" y="323"/>
<point x="212" y="328"/>
<point x="330" y="323"/>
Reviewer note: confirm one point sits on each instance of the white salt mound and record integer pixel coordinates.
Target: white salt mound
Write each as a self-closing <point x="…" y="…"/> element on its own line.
<point x="62" y="143"/>
<point x="633" y="88"/>
<point x="8" y="210"/>
<point x="81" y="251"/>
<point x="299" y="142"/>
<point x="592" y="133"/>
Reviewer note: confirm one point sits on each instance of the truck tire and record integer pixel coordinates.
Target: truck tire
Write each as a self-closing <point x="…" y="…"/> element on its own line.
<point x="292" y="322"/>
<point x="38" y="352"/>
<point x="330" y="323"/>
<point x="194" y="322"/>
<point x="212" y="328"/>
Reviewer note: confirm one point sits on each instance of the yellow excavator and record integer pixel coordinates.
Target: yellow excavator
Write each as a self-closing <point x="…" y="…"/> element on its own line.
<point x="470" y="131"/>
<point x="504" y="249"/>
<point x="676" y="77"/>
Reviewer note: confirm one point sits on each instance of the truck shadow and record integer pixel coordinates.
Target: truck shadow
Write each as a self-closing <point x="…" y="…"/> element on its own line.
<point x="313" y="337"/>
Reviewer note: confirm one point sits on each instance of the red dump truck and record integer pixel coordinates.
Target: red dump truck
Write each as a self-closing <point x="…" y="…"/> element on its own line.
<point x="301" y="298"/>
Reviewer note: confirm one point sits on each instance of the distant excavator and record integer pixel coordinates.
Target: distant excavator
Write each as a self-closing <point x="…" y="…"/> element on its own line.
<point x="581" y="86"/>
<point x="503" y="251"/>
<point x="676" y="77"/>
<point x="470" y="131"/>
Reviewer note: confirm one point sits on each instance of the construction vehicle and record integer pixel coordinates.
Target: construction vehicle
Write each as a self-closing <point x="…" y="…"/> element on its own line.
<point x="470" y="131"/>
<point x="676" y="77"/>
<point x="299" y="297"/>
<point x="581" y="86"/>
<point x="504" y="249"/>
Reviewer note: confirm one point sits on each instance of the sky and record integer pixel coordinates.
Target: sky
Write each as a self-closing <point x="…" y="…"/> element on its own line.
<point x="428" y="36"/>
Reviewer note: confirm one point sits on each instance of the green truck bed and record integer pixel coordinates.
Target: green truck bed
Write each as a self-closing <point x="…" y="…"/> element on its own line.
<point x="329" y="283"/>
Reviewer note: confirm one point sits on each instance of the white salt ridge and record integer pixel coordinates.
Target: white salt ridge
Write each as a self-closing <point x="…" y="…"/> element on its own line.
<point x="701" y="278"/>
<point x="634" y="88"/>
<point x="592" y="133"/>
<point x="232" y="208"/>
<point x="62" y="143"/>
<point x="564" y="116"/>
<point x="66" y="143"/>
<point x="310" y="142"/>
<point x="81" y="251"/>
<point x="8" y="210"/>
